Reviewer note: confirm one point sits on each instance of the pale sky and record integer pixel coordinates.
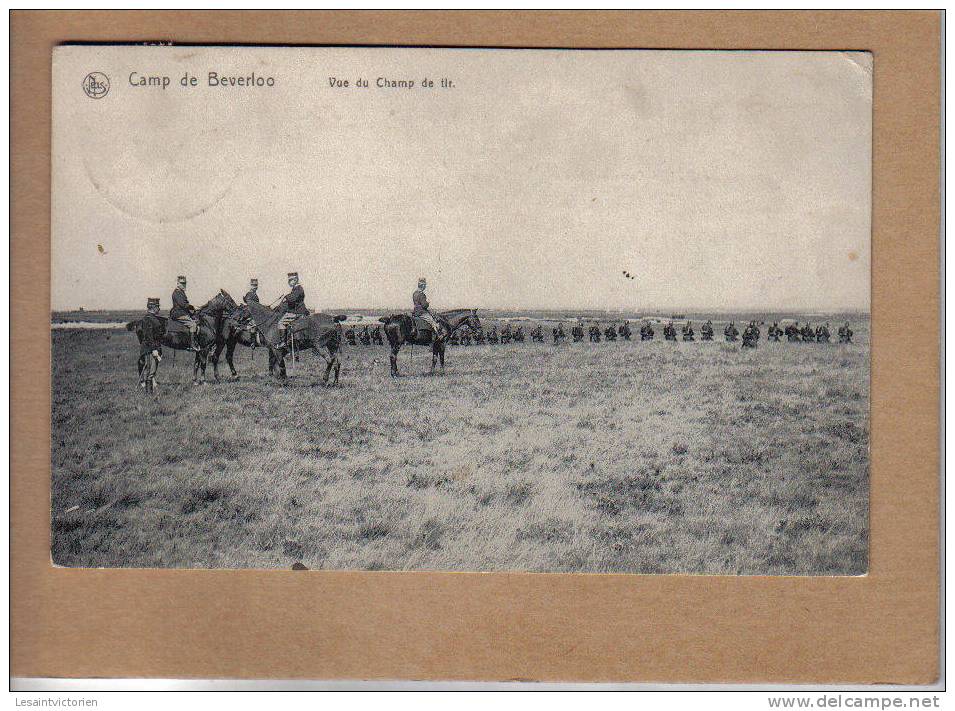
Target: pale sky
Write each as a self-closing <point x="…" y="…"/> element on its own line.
<point x="719" y="180"/>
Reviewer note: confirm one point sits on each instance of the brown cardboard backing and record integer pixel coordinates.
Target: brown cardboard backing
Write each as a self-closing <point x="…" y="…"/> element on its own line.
<point x="883" y="627"/>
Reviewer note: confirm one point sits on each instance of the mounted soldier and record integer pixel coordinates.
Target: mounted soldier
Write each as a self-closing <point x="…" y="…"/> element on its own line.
<point x="577" y="333"/>
<point x="610" y="333"/>
<point x="253" y="293"/>
<point x="646" y="331"/>
<point x="774" y="332"/>
<point x="624" y="331"/>
<point x="150" y="349"/>
<point x="845" y="333"/>
<point x="688" y="333"/>
<point x="292" y="305"/>
<point x="731" y="333"/>
<point x="706" y="331"/>
<point x="422" y="309"/>
<point x="182" y="312"/>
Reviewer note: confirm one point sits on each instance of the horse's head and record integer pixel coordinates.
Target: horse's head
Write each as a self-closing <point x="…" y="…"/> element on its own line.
<point x="462" y="317"/>
<point x="221" y="303"/>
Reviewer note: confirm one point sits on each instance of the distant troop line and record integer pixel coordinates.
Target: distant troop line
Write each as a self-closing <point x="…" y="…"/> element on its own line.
<point x="288" y="326"/>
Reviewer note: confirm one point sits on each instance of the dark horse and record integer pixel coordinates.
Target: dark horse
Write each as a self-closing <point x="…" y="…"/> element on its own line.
<point x="235" y="332"/>
<point x="400" y="329"/>
<point x="319" y="332"/>
<point x="210" y="318"/>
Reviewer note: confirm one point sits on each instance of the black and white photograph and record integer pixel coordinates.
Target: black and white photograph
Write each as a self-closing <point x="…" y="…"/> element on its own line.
<point x="437" y="309"/>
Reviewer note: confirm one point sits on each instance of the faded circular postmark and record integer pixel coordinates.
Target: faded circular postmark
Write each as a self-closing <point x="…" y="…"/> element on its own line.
<point x="96" y="85"/>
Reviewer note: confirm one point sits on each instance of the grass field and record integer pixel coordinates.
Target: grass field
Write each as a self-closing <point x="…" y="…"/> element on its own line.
<point x="626" y="457"/>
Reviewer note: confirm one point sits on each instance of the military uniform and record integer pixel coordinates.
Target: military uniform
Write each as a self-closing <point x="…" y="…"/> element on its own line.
<point x="822" y="334"/>
<point x="365" y="337"/>
<point x="792" y="332"/>
<point x="706" y="331"/>
<point x="731" y="332"/>
<point x="610" y="333"/>
<point x="153" y="329"/>
<point x="492" y="335"/>
<point x="538" y="334"/>
<point x="376" y="336"/>
<point x="594" y="333"/>
<point x="646" y="332"/>
<point x="577" y="332"/>
<point x="559" y="334"/>
<point x="184" y="312"/>
<point x="750" y="335"/>
<point x="506" y="333"/>
<point x="350" y="336"/>
<point x="253" y="293"/>
<point x="519" y="334"/>
<point x="624" y="331"/>
<point x="774" y="332"/>
<point x="688" y="333"/>
<point x="845" y="334"/>
<point x="808" y="334"/>
<point x="669" y="332"/>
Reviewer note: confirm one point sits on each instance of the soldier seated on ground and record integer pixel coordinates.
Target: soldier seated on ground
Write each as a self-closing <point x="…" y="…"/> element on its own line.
<point x="559" y="334"/>
<point x="577" y="332"/>
<point x="365" y="337"/>
<point x="595" y="333"/>
<point x="706" y="331"/>
<point x="774" y="332"/>
<point x="792" y="332"/>
<point x="350" y="336"/>
<point x="537" y="334"/>
<point x="611" y="333"/>
<point x="646" y="331"/>
<point x="822" y="334"/>
<point x="519" y="334"/>
<point x="669" y="331"/>
<point x="688" y="333"/>
<point x="624" y="331"/>
<point x="731" y="332"/>
<point x="376" y="336"/>
<point x="750" y="335"/>
<point x="491" y="335"/>
<point x="808" y="333"/>
<point x="845" y="333"/>
<point x="506" y="333"/>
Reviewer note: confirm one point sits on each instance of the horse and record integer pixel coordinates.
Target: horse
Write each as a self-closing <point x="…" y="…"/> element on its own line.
<point x="235" y="332"/>
<point x="400" y="329"/>
<point x="209" y="317"/>
<point x="316" y="331"/>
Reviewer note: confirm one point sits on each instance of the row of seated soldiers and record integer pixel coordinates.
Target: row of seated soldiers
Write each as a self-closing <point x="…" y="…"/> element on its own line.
<point x="751" y="333"/>
<point x="365" y="336"/>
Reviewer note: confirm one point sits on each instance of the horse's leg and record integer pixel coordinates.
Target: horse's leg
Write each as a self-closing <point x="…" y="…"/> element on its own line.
<point x="441" y="356"/>
<point x="394" y="359"/>
<point x="220" y="344"/>
<point x="229" y="352"/>
<point x="434" y="356"/>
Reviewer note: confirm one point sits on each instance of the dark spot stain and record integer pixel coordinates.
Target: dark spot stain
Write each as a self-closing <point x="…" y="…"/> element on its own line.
<point x="99" y="248"/>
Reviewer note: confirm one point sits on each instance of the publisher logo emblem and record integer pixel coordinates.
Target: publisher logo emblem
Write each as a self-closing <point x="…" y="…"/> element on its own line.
<point x="96" y="85"/>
